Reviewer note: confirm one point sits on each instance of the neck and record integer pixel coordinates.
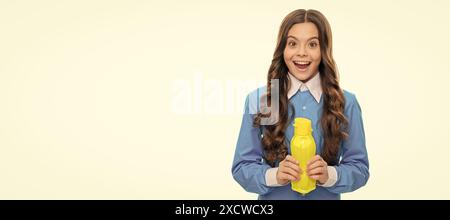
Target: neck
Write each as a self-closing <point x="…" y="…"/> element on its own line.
<point x="312" y="76"/>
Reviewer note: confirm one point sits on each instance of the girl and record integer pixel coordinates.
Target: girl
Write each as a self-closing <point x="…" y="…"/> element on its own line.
<point x="308" y="87"/>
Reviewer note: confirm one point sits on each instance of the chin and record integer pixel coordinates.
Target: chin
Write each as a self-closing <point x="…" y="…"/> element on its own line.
<point x="302" y="76"/>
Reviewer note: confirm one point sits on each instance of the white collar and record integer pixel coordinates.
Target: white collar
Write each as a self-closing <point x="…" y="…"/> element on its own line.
<point x="313" y="85"/>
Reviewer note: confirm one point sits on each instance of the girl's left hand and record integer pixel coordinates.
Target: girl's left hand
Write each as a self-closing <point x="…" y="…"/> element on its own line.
<point x="317" y="169"/>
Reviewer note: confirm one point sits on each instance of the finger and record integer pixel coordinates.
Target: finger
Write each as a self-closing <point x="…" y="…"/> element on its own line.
<point x="290" y="171"/>
<point x="291" y="159"/>
<point x="316" y="171"/>
<point x="315" y="177"/>
<point x="315" y="165"/>
<point x="314" y="159"/>
<point x="287" y="176"/>
<point x="293" y="166"/>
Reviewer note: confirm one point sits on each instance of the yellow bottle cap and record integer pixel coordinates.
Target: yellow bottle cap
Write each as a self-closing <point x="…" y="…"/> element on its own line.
<point x="302" y="126"/>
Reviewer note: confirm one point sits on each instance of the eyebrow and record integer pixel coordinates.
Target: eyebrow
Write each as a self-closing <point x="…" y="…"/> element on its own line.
<point x="315" y="37"/>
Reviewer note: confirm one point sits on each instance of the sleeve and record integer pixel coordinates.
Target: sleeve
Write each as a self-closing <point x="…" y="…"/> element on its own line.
<point x="332" y="177"/>
<point x="249" y="168"/>
<point x="353" y="168"/>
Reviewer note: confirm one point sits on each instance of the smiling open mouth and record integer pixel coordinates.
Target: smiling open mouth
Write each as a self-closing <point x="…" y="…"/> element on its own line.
<point x="302" y="65"/>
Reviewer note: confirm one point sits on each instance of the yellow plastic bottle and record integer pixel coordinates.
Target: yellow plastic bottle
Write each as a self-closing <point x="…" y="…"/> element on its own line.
<point x="303" y="148"/>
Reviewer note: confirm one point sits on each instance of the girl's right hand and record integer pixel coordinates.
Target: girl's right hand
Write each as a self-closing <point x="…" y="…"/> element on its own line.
<point x="288" y="170"/>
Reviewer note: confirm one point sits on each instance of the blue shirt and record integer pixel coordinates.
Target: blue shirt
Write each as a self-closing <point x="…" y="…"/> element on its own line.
<point x="249" y="167"/>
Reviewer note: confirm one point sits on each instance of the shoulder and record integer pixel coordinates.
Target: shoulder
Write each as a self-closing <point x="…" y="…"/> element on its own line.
<point x="253" y="99"/>
<point x="258" y="92"/>
<point x="350" y="98"/>
<point x="351" y="103"/>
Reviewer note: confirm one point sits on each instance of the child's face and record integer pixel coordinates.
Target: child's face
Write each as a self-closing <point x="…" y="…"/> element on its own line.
<point x="302" y="51"/>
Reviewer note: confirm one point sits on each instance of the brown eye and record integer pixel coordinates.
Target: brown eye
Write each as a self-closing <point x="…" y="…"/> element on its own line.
<point x="313" y="44"/>
<point x="291" y="44"/>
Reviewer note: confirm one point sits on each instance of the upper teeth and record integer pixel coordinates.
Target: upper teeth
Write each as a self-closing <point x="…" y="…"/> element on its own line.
<point x="301" y="62"/>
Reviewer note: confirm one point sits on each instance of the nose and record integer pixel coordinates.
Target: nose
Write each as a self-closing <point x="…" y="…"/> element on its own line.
<point x="302" y="51"/>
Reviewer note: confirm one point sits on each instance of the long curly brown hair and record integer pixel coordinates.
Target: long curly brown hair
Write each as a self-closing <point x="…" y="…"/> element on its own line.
<point x="333" y="120"/>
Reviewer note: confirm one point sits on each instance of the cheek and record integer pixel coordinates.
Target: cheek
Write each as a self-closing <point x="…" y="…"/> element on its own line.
<point x="317" y="57"/>
<point x="286" y="56"/>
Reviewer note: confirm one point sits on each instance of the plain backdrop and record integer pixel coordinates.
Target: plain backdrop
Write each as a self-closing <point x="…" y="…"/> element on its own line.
<point x="143" y="99"/>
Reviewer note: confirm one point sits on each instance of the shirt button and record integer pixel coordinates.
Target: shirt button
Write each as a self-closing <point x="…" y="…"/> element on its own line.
<point x="304" y="107"/>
